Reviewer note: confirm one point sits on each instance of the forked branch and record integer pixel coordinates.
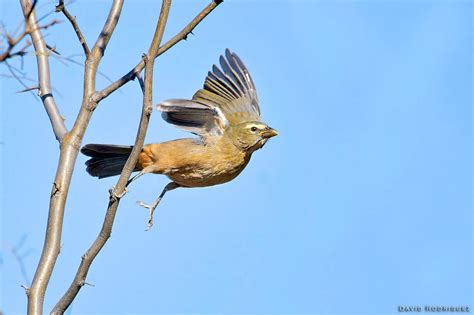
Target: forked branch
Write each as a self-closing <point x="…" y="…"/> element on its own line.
<point x="71" y="140"/>
<point x="119" y="190"/>
<point x="183" y="34"/>
<point x="70" y="144"/>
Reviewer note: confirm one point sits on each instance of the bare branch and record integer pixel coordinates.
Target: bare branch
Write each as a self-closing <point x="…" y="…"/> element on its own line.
<point x="183" y="34"/>
<point x="65" y="60"/>
<point x="28" y="89"/>
<point x="53" y="49"/>
<point x="19" y="256"/>
<point x="61" y="7"/>
<point x="108" y="29"/>
<point x="120" y="189"/>
<point x="12" y="42"/>
<point x="11" y="45"/>
<point x="173" y="41"/>
<point x="48" y="25"/>
<point x="14" y="75"/>
<point x="70" y="145"/>
<point x="44" y="80"/>
<point x="71" y="141"/>
<point x="30" y="9"/>
<point x="25" y="78"/>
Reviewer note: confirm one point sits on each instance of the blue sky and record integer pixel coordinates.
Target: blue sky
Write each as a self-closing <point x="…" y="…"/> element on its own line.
<point x="361" y="204"/>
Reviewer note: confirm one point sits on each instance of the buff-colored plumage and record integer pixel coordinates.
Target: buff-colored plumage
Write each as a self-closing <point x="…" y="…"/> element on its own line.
<point x="192" y="164"/>
<point x="225" y="114"/>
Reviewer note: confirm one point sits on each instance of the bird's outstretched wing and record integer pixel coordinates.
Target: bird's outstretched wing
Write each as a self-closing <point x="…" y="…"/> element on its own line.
<point x="228" y="97"/>
<point x="231" y="89"/>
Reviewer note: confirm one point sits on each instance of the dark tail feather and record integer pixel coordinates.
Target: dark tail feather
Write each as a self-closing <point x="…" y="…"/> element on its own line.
<point x="106" y="159"/>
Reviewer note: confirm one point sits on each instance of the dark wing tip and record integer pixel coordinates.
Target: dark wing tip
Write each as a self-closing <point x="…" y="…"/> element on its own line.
<point x="222" y="61"/>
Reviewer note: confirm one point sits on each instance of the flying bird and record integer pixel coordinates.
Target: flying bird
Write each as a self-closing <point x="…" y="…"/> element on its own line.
<point x="225" y="114"/>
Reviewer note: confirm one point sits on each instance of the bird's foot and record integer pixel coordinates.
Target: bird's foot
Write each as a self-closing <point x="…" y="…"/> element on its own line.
<point x="114" y="194"/>
<point x="151" y="209"/>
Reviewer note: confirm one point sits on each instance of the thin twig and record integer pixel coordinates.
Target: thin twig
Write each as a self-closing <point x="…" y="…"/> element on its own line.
<point x="25" y="78"/>
<point x="183" y="34"/>
<point x="12" y="42"/>
<point x="70" y="144"/>
<point x="61" y="7"/>
<point x="170" y="43"/>
<point x="120" y="188"/>
<point x="69" y="59"/>
<point x="14" y="75"/>
<point x="48" y="25"/>
<point x="20" y="256"/>
<point x="53" y="49"/>
<point x="28" y="89"/>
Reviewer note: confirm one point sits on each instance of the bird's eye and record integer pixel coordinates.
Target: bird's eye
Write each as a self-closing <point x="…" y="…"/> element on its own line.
<point x="253" y="129"/>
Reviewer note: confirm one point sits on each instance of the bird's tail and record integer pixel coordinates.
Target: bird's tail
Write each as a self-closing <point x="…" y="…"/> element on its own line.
<point x="106" y="159"/>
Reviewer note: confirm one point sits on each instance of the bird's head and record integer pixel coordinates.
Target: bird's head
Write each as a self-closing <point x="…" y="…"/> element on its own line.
<point x="251" y="136"/>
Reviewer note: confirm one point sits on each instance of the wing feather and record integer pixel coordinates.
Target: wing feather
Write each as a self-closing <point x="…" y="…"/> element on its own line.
<point x="194" y="117"/>
<point x="213" y="85"/>
<point x="231" y="88"/>
<point x="226" y="82"/>
<point x="228" y="97"/>
<point x="234" y="77"/>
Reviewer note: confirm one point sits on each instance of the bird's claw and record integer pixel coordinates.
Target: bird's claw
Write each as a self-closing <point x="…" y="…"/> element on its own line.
<point x="113" y="193"/>
<point x="151" y="209"/>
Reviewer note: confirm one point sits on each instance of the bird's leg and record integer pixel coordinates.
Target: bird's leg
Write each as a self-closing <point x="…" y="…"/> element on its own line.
<point x="135" y="177"/>
<point x="125" y="189"/>
<point x="151" y="208"/>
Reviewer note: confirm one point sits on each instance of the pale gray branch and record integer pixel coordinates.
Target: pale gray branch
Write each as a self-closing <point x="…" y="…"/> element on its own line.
<point x="71" y="141"/>
<point x="44" y="77"/>
<point x="120" y="188"/>
<point x="70" y="145"/>
<point x="108" y="28"/>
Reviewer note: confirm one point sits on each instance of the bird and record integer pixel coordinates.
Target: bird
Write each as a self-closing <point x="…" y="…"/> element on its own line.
<point x="225" y="115"/>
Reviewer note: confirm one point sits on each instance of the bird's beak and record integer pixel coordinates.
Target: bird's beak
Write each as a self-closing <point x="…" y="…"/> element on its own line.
<point x="269" y="132"/>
